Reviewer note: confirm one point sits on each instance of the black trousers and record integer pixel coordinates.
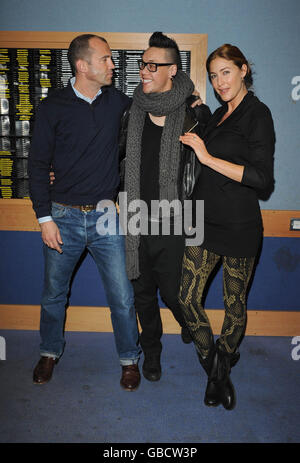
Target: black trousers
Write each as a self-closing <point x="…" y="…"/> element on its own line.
<point x="160" y="259"/>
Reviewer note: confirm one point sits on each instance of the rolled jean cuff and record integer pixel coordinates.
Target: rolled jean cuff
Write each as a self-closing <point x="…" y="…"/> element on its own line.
<point x="126" y="362"/>
<point x="49" y="355"/>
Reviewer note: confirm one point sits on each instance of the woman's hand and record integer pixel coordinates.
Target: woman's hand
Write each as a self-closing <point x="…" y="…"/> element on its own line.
<point x="229" y="169"/>
<point x="198" y="145"/>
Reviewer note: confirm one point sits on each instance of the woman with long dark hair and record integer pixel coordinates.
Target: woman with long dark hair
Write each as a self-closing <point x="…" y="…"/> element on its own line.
<point x="236" y="154"/>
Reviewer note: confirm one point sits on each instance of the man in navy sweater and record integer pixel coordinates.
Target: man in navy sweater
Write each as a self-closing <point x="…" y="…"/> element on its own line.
<point x="76" y="132"/>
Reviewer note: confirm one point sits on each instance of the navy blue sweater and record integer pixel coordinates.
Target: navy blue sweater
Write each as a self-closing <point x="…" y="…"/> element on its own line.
<point x="80" y="141"/>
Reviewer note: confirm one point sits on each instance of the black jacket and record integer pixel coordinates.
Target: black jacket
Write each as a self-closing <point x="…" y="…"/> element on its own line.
<point x="233" y="224"/>
<point x="190" y="167"/>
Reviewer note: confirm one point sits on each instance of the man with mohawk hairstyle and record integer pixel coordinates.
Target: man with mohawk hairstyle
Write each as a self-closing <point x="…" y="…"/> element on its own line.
<point x="160" y="113"/>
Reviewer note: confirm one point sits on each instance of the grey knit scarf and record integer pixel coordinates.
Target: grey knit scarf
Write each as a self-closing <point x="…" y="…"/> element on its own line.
<point x="172" y="105"/>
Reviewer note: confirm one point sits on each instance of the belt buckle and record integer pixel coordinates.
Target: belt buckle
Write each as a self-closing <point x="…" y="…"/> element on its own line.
<point x="87" y="208"/>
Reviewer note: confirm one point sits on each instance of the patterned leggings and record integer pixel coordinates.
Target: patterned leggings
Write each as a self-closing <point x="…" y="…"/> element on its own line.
<point x="198" y="264"/>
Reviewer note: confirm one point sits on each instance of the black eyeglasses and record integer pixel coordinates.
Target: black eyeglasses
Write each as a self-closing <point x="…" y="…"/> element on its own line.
<point x="152" y="67"/>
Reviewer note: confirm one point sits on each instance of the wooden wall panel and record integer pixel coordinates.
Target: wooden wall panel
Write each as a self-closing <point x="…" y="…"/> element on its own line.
<point x="97" y="319"/>
<point x="277" y="223"/>
<point x="17" y="215"/>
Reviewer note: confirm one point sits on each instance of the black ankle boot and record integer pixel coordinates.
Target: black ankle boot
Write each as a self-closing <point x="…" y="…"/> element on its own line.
<point x="224" y="384"/>
<point x="209" y="363"/>
<point x="185" y="335"/>
<point x="151" y="367"/>
<point x="234" y="358"/>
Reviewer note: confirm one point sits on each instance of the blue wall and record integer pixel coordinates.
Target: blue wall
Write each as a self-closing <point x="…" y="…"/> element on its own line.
<point x="274" y="287"/>
<point x="268" y="33"/>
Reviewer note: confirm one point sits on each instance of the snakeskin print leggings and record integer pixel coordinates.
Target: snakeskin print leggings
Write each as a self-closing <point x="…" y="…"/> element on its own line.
<point x="198" y="264"/>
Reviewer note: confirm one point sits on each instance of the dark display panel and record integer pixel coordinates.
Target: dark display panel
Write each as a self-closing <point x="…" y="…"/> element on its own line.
<point x="27" y="76"/>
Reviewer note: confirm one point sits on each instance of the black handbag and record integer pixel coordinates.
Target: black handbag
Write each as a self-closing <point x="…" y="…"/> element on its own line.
<point x="190" y="167"/>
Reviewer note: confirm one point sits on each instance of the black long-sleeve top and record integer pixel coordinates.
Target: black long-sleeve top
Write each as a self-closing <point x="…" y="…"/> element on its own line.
<point x="80" y="141"/>
<point x="233" y="224"/>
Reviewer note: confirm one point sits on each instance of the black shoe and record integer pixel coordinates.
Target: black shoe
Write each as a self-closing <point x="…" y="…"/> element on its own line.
<point x="185" y="335"/>
<point x="152" y="367"/>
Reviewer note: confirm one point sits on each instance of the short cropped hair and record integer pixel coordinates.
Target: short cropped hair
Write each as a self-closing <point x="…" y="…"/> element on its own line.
<point x="80" y="49"/>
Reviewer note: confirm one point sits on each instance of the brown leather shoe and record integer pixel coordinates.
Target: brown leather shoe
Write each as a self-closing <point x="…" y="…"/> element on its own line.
<point x="130" y="377"/>
<point x="43" y="370"/>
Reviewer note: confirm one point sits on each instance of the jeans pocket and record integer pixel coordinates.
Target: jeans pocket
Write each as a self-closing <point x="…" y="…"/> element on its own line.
<point x="58" y="211"/>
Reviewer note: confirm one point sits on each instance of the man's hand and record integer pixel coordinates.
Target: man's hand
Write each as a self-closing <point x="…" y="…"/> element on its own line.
<point x="197" y="102"/>
<point x="51" y="235"/>
<point x="52" y="177"/>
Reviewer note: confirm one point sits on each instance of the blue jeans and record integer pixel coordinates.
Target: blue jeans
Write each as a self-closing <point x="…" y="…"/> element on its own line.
<point x="78" y="232"/>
